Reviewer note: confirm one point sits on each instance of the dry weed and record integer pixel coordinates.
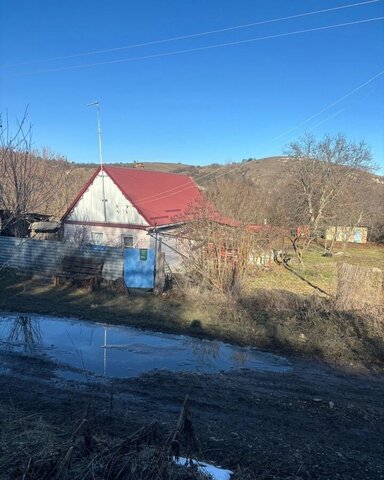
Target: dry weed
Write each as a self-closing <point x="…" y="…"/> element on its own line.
<point x="360" y="288"/>
<point x="34" y="450"/>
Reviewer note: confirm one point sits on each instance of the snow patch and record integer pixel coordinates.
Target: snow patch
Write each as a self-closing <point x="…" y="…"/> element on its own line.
<point x="216" y="473"/>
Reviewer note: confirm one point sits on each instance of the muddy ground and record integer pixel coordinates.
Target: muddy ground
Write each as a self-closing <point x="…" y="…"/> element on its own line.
<point x="310" y="423"/>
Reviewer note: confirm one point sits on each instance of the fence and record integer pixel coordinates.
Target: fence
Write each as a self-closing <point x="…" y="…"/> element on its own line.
<point x="359" y="287"/>
<point x="44" y="257"/>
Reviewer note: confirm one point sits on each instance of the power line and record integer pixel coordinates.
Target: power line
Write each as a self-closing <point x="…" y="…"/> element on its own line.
<point x="184" y="37"/>
<point x="190" y="50"/>
<point x="187" y="186"/>
<point x="327" y="107"/>
<point x="333" y="115"/>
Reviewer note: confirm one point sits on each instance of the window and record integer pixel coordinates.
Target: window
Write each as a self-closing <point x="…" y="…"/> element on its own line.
<point x="97" y="238"/>
<point x="127" y="241"/>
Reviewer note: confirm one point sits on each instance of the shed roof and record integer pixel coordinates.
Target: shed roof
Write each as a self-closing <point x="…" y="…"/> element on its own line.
<point x="44" y="227"/>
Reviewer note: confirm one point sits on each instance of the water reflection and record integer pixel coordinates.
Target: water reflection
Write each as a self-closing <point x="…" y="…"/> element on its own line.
<point x="123" y="351"/>
<point x="205" y="351"/>
<point x="105" y="347"/>
<point x="24" y="333"/>
<point x="239" y="358"/>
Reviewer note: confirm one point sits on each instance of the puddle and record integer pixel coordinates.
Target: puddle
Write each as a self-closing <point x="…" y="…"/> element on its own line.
<point x="117" y="351"/>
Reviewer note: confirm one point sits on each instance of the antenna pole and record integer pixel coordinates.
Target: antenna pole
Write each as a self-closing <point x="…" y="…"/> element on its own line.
<point x="99" y="132"/>
<point x="97" y="105"/>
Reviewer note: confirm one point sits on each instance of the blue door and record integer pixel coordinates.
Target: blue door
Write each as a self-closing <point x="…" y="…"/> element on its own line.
<point x="357" y="236"/>
<point x="139" y="268"/>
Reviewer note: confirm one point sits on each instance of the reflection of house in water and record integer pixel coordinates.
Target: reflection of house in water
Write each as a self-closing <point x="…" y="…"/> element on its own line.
<point x="24" y="333"/>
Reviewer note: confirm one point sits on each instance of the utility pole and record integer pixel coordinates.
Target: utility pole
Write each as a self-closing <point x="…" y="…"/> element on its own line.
<point x="97" y="105"/>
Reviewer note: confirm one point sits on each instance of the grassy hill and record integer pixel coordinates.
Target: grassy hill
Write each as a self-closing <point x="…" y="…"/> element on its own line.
<point x="252" y="190"/>
<point x="263" y="169"/>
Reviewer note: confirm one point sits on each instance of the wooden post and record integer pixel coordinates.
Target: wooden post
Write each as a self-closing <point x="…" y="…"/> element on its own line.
<point x="159" y="269"/>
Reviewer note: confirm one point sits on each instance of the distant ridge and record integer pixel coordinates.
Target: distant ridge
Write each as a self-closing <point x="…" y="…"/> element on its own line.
<point x="264" y="170"/>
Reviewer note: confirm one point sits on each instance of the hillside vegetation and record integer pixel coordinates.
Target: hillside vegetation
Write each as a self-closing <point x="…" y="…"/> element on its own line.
<point x="253" y="191"/>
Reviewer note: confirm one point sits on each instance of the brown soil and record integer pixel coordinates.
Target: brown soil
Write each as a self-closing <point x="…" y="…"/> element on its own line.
<point x="312" y="423"/>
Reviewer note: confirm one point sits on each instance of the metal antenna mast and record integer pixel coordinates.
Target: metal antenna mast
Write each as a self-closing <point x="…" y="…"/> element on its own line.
<point x="97" y="105"/>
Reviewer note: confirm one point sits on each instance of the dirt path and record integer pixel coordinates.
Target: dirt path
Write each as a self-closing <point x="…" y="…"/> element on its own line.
<point x="307" y="424"/>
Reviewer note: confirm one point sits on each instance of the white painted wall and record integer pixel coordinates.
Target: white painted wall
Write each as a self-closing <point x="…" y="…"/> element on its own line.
<point x="112" y="236"/>
<point x="118" y="209"/>
<point x="170" y="247"/>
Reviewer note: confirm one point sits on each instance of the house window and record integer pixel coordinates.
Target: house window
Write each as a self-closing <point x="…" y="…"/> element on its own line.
<point x="97" y="238"/>
<point x="127" y="241"/>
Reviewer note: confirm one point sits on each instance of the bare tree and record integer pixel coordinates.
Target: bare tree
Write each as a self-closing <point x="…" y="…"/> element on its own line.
<point x="374" y="214"/>
<point x="237" y="198"/>
<point x="219" y="249"/>
<point x="27" y="184"/>
<point x="322" y="173"/>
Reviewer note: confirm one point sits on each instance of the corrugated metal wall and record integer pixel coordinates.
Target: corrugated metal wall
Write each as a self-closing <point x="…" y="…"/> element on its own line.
<point x="44" y="257"/>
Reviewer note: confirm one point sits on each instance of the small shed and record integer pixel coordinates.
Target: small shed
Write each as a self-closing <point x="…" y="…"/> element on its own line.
<point x="46" y="230"/>
<point x="18" y="225"/>
<point x="347" y="234"/>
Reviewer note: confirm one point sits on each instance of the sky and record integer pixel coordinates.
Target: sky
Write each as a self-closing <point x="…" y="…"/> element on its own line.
<point x="219" y="95"/>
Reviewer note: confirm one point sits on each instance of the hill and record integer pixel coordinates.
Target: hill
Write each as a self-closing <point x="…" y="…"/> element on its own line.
<point x="265" y="170"/>
<point x="254" y="190"/>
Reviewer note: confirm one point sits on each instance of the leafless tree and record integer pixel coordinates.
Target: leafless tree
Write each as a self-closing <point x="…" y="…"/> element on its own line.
<point x="322" y="171"/>
<point x="374" y="214"/>
<point x="237" y="198"/>
<point x="218" y="249"/>
<point x="28" y="184"/>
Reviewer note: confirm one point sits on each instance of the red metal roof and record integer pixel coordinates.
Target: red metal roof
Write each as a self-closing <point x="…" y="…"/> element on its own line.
<point x="159" y="197"/>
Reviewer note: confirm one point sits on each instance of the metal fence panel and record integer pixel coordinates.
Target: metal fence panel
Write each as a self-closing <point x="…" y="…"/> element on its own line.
<point x="44" y="257"/>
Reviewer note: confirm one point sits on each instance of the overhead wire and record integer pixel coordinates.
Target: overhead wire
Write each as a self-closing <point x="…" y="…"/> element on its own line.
<point x="333" y="115"/>
<point x="191" y="50"/>
<point x="188" y="36"/>
<point x="178" y="189"/>
<point x="187" y="186"/>
<point x="327" y="107"/>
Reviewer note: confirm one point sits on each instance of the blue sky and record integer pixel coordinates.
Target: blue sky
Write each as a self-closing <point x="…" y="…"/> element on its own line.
<point x="208" y="105"/>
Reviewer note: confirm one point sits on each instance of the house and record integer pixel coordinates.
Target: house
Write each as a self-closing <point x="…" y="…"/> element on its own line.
<point x="120" y="206"/>
<point x="347" y="234"/>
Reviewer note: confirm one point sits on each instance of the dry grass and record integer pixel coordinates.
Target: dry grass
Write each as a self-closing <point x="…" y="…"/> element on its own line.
<point x="312" y="326"/>
<point x="360" y="288"/>
<point x="318" y="270"/>
<point x="34" y="450"/>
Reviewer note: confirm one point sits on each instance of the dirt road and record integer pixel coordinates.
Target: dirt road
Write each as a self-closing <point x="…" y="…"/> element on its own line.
<point x="310" y="423"/>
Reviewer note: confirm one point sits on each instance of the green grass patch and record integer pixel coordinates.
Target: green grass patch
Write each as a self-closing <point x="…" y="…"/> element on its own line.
<point x="318" y="270"/>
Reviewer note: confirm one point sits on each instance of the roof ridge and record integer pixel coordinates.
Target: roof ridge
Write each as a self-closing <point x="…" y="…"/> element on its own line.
<point x="143" y="170"/>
